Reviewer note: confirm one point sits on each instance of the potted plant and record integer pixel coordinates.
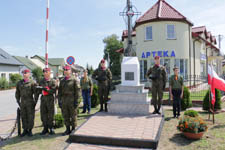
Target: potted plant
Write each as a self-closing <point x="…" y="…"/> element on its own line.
<point x="192" y="125"/>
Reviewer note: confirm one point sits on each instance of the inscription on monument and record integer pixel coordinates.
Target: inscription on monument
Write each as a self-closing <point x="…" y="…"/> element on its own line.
<point x="129" y="76"/>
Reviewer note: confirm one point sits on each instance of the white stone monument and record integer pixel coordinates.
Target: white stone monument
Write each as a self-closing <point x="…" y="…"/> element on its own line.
<point x="129" y="98"/>
<point x="130" y="71"/>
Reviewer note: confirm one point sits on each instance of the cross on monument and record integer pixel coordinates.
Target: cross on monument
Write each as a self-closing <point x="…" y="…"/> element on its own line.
<point x="129" y="13"/>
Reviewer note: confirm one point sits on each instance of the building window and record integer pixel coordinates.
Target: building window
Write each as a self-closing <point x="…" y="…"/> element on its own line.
<point x="166" y="64"/>
<point x="148" y="33"/>
<point x="152" y="62"/>
<point x="182" y="65"/>
<point x="3" y="75"/>
<point x="143" y="69"/>
<point x="171" y="32"/>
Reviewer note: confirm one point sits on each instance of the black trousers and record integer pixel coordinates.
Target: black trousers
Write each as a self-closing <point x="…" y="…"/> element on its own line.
<point x="176" y="102"/>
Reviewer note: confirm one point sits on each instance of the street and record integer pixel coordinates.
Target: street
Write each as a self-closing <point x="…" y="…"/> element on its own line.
<point x="8" y="103"/>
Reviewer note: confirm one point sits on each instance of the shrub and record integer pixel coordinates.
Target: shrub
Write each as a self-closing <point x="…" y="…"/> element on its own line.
<point x="37" y="73"/>
<point x="94" y="97"/>
<point x="4" y="84"/>
<point x="14" y="78"/>
<point x="205" y="105"/>
<point x="186" y="101"/>
<point x="59" y="121"/>
<point x="191" y="113"/>
<point x="192" y="124"/>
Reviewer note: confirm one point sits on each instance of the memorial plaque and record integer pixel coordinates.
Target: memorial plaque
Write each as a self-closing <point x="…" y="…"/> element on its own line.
<point x="129" y="76"/>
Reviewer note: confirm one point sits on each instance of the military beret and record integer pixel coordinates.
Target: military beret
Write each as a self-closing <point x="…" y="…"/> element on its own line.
<point x="26" y="71"/>
<point x="66" y="67"/>
<point x="46" y="69"/>
<point x="103" y="61"/>
<point x="156" y="57"/>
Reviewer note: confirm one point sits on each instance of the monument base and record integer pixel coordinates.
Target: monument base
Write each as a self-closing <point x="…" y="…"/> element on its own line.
<point x="129" y="100"/>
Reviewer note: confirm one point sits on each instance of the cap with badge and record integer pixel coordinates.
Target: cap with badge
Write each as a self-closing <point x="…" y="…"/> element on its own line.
<point x="65" y="68"/>
<point x="156" y="57"/>
<point x="26" y="71"/>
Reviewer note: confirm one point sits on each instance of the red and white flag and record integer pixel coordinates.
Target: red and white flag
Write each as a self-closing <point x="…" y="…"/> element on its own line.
<point x="215" y="82"/>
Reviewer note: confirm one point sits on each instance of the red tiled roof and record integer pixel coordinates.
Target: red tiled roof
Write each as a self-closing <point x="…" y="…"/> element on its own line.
<point x="194" y="34"/>
<point x="162" y="11"/>
<point x="200" y="29"/>
<point x="125" y="34"/>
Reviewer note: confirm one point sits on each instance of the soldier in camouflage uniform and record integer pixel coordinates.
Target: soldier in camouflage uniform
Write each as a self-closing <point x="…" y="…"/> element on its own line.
<point x="104" y="76"/>
<point x="68" y="95"/>
<point x="48" y="89"/>
<point x="26" y="98"/>
<point x="157" y="74"/>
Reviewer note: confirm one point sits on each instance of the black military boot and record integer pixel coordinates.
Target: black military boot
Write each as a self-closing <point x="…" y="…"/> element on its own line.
<point x="24" y="133"/>
<point x="51" y="131"/>
<point x="72" y="130"/>
<point x="30" y="132"/>
<point x="158" y="110"/>
<point x="67" y="132"/>
<point x="101" y="108"/>
<point x="155" y="110"/>
<point x="44" y="131"/>
<point x="106" y="108"/>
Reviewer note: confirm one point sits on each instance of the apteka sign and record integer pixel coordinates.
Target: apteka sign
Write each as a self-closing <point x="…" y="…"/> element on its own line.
<point x="163" y="53"/>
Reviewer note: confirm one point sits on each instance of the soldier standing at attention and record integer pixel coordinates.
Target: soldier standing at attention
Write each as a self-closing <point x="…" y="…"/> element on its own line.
<point x="47" y="101"/>
<point x="157" y="74"/>
<point x="104" y="76"/>
<point x="26" y="98"/>
<point x="176" y="91"/>
<point x="68" y="95"/>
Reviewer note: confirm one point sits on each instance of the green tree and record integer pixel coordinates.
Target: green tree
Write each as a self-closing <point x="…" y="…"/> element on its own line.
<point x="218" y="102"/>
<point x="111" y="45"/>
<point x="14" y="78"/>
<point x="89" y="69"/>
<point x="37" y="73"/>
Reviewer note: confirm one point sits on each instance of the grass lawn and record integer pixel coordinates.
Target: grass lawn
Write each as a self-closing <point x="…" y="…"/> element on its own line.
<point x="39" y="142"/>
<point x="213" y="139"/>
<point x="198" y="96"/>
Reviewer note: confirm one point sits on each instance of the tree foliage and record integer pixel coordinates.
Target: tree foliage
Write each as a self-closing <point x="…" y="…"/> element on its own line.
<point x="37" y="73"/>
<point x="112" y="43"/>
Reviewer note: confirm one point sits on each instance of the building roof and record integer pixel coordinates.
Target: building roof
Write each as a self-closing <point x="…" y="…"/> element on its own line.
<point x="7" y="59"/>
<point x="52" y="61"/>
<point x="56" y="61"/>
<point x="200" y="29"/>
<point x="162" y="11"/>
<point x="27" y="62"/>
<point x="125" y="34"/>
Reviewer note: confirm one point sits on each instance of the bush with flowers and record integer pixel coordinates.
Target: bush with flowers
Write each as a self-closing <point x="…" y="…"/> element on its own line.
<point x="188" y="123"/>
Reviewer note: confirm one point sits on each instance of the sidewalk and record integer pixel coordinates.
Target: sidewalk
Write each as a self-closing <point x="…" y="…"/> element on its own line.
<point x="7" y="123"/>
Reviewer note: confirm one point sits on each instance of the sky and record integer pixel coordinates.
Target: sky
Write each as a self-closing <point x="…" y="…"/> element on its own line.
<point x="78" y="27"/>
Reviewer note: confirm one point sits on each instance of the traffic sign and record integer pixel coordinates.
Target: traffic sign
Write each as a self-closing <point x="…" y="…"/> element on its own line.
<point x="70" y="60"/>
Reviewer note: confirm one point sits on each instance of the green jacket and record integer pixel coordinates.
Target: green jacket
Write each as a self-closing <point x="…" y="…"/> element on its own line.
<point x="102" y="76"/>
<point x="26" y="92"/>
<point x="157" y="73"/>
<point x="176" y="84"/>
<point x="70" y="87"/>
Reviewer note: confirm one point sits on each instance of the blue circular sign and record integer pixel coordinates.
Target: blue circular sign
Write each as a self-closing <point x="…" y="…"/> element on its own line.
<point x="70" y="60"/>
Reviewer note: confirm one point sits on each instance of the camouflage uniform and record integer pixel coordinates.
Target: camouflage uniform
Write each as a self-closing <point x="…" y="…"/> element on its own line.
<point x="68" y="95"/>
<point x="26" y="98"/>
<point x="47" y="104"/>
<point x="104" y="77"/>
<point x="158" y="76"/>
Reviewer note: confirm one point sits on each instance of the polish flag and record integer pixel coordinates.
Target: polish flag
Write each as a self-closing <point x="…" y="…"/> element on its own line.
<point x="215" y="82"/>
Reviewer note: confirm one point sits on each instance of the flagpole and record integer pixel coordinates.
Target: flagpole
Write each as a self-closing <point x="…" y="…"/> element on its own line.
<point x="209" y="100"/>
